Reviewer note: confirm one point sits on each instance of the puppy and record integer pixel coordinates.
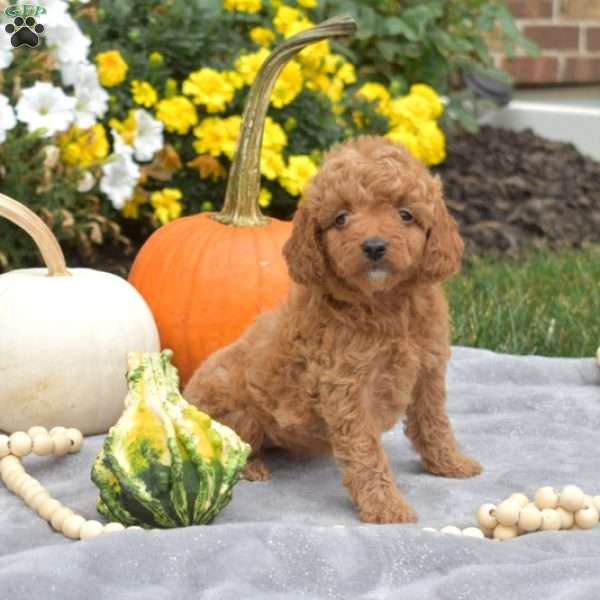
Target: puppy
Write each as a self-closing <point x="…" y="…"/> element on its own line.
<point x="363" y="338"/>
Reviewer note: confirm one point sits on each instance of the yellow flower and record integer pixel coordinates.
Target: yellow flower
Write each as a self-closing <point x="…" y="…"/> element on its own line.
<point x="299" y="170"/>
<point x="209" y="88"/>
<point x="409" y="109"/>
<point x="346" y="73"/>
<point x="288" y="85"/>
<point x="262" y="36"/>
<point x="126" y="128"/>
<point x="432" y="142"/>
<point x="274" y="137"/>
<point x="429" y="94"/>
<point x="166" y="204"/>
<point x="264" y="198"/>
<point x="249" y="6"/>
<point x="131" y="210"/>
<point x="406" y="138"/>
<point x="272" y="164"/>
<point x="307" y="3"/>
<point x="216" y="136"/>
<point x="83" y="147"/>
<point x="247" y="65"/>
<point x="285" y="18"/>
<point x="297" y="26"/>
<point x="178" y="114"/>
<point x="112" y="69"/>
<point x="313" y="56"/>
<point x="236" y="80"/>
<point x="376" y="92"/>
<point x="143" y="93"/>
<point x="156" y="59"/>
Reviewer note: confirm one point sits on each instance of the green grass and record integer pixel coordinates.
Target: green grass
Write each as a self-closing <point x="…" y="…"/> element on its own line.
<point x="546" y="304"/>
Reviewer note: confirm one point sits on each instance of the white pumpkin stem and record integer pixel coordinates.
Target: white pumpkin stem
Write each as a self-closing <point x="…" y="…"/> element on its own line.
<point x="243" y="186"/>
<point x="41" y="234"/>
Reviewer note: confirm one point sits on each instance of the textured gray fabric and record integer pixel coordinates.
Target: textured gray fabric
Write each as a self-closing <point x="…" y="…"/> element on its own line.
<point x="531" y="421"/>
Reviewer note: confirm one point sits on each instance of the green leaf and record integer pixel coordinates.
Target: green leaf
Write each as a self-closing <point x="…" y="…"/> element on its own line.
<point x="396" y="26"/>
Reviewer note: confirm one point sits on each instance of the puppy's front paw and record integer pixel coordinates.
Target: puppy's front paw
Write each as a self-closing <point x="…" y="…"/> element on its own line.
<point x="390" y="508"/>
<point x="256" y="470"/>
<point x="457" y="466"/>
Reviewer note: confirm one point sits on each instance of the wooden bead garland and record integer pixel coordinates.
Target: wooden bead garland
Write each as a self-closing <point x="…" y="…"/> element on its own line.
<point x="41" y="442"/>
<point x="550" y="511"/>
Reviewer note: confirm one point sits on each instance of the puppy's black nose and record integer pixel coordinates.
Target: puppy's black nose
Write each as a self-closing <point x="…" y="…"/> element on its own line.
<point x="374" y="248"/>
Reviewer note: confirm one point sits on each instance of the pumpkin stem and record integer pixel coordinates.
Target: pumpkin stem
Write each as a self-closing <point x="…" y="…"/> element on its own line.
<point x="44" y="239"/>
<point x="243" y="186"/>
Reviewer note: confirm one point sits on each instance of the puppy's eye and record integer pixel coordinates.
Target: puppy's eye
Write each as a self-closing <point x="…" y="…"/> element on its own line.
<point x="406" y="215"/>
<point x="341" y="218"/>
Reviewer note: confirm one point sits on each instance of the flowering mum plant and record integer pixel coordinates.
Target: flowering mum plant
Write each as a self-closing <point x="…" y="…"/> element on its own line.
<point x="127" y="116"/>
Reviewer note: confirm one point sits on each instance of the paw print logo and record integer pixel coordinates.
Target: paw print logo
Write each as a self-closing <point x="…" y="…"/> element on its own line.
<point x="24" y="32"/>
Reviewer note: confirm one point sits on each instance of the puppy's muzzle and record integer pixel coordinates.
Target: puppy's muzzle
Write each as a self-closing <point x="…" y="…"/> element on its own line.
<point x="374" y="248"/>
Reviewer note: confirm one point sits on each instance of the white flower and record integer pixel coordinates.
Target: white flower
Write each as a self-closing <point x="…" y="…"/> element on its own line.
<point x="7" y="117"/>
<point x="45" y="105"/>
<point x="91" y="98"/>
<point x="148" y="135"/>
<point x="57" y="12"/>
<point x="120" y="174"/>
<point x="67" y="41"/>
<point x="5" y="49"/>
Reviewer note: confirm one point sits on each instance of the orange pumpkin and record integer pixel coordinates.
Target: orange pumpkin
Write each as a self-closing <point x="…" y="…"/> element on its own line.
<point x="207" y="276"/>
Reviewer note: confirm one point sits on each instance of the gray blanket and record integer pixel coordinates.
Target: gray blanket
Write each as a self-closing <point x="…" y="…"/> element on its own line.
<point x="531" y="421"/>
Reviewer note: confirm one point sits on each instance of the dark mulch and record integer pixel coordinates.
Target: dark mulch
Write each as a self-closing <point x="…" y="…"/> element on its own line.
<point x="512" y="190"/>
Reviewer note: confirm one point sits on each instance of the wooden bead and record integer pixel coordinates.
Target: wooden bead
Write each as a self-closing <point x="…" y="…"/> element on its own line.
<point x="43" y="445"/>
<point x="91" y="529"/>
<point x="131" y="527"/>
<point x="521" y="499"/>
<point x="451" y="529"/>
<point x="72" y="526"/>
<point x="546" y="497"/>
<point x="30" y="492"/>
<point x="502" y="532"/>
<point x="61" y="443"/>
<point x="486" y="516"/>
<point x="530" y="518"/>
<point x="489" y="533"/>
<point x="9" y="460"/>
<point x="58" y="517"/>
<point x="14" y="480"/>
<point x="566" y="518"/>
<point x="38" y="499"/>
<point x="36" y="430"/>
<point x="56" y="430"/>
<point x="586" y="517"/>
<point x="507" y="513"/>
<point x="4" y="449"/>
<point x="550" y="520"/>
<point x="47" y="508"/>
<point x="114" y="527"/>
<point x="473" y="532"/>
<point x="571" y="498"/>
<point x="10" y="468"/>
<point x="27" y="483"/>
<point x="20" y="444"/>
<point x="76" y="438"/>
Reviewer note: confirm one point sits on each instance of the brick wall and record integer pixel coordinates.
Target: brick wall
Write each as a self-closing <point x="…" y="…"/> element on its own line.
<point x="568" y="35"/>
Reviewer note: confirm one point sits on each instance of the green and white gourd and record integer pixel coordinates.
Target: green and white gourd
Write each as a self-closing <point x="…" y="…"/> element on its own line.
<point x="165" y="463"/>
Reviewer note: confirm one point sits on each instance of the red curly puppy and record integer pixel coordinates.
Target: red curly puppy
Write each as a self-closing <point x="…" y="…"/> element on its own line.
<point x="364" y="336"/>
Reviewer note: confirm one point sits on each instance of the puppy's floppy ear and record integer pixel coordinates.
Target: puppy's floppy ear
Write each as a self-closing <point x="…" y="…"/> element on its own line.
<point x="303" y="251"/>
<point x="444" y="246"/>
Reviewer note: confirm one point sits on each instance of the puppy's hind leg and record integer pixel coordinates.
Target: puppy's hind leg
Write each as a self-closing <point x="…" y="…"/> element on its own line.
<point x="218" y="391"/>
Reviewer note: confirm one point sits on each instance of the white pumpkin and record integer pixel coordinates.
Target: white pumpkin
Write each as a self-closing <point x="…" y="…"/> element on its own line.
<point x="64" y="338"/>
